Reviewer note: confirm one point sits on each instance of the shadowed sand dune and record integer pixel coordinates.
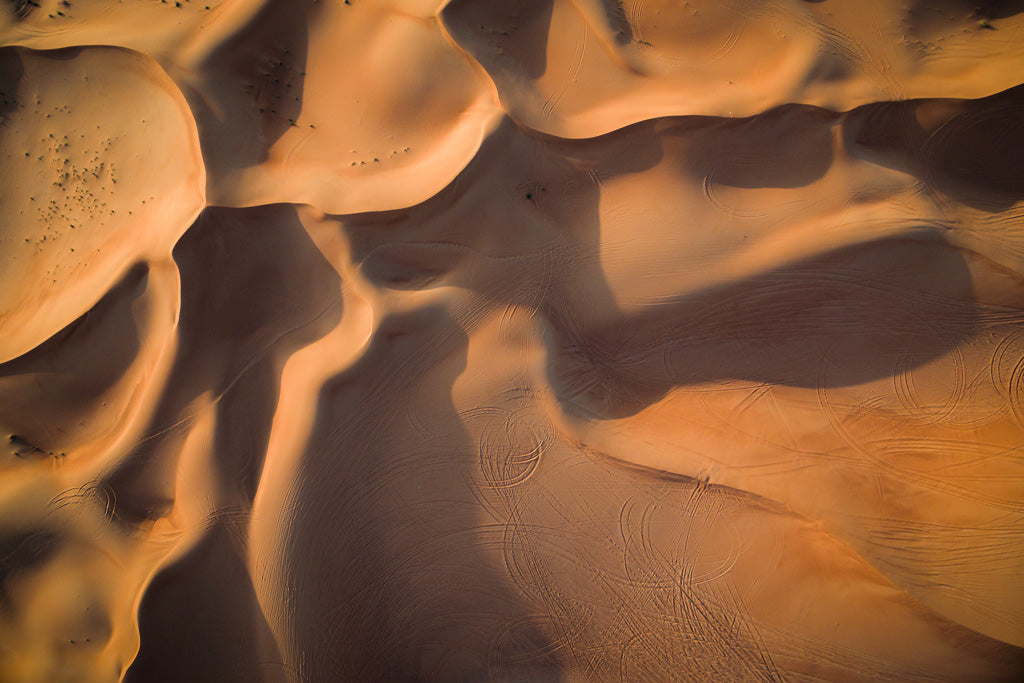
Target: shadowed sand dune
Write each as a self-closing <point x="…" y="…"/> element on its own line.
<point x="67" y="219"/>
<point x="490" y="341"/>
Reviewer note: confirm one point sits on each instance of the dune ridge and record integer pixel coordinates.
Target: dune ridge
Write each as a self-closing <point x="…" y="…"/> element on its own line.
<point x="547" y="340"/>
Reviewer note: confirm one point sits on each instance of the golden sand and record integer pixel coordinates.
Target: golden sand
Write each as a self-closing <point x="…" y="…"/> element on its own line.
<point x="579" y="340"/>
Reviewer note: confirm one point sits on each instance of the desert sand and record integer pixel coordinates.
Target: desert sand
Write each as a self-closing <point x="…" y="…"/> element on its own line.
<point x="533" y="340"/>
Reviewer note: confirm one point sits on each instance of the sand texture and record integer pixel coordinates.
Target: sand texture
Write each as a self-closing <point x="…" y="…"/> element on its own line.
<point x="494" y="340"/>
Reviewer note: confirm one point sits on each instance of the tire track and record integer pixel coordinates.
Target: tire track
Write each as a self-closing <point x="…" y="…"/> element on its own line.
<point x="579" y="46"/>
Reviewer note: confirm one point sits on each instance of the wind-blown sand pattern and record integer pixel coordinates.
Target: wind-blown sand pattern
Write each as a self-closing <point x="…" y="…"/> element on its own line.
<point x="487" y="341"/>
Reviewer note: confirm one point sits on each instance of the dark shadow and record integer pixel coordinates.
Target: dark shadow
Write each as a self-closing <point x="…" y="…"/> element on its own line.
<point x="200" y="621"/>
<point x="387" y="571"/>
<point x="23" y="8"/>
<point x="244" y="419"/>
<point x="71" y="370"/>
<point x="616" y="17"/>
<point x="254" y="289"/>
<point x="861" y="312"/>
<point x="971" y="153"/>
<point x="62" y="54"/>
<point x="843" y="318"/>
<point x="20" y="553"/>
<point x="90" y="335"/>
<point x="11" y="73"/>
<point x="786" y="147"/>
<point x="519" y="30"/>
<point x="393" y="573"/>
<point x="978" y="9"/>
<point x="265" y="65"/>
<point x="995" y="9"/>
<point x="411" y="266"/>
<point x="420" y="247"/>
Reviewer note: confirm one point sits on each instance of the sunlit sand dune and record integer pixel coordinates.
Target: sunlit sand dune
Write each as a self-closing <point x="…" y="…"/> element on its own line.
<point x="491" y="341"/>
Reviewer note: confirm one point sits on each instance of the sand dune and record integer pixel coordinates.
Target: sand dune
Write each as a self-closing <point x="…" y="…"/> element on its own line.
<point x="547" y="340"/>
<point x="76" y="122"/>
<point x="580" y="68"/>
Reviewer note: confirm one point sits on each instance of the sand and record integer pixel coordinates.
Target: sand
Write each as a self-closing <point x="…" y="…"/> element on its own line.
<point x="544" y="340"/>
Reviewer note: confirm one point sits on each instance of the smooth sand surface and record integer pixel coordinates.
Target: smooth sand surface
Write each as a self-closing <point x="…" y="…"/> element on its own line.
<point x="543" y="340"/>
